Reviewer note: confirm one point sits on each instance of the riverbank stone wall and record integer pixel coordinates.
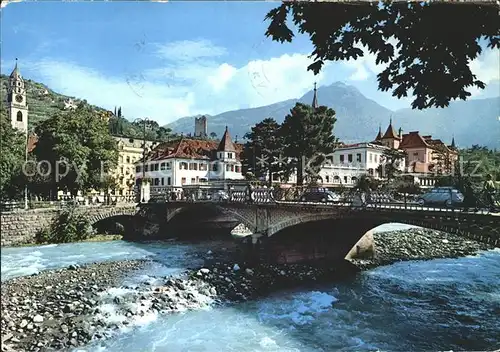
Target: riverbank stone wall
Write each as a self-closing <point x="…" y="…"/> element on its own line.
<point x="19" y="227"/>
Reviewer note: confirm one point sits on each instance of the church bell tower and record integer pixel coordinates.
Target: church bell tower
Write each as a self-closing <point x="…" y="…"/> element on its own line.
<point x="16" y="101"/>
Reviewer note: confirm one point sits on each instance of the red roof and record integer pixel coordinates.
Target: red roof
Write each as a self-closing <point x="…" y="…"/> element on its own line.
<point x="190" y="149"/>
<point x="390" y="133"/>
<point x="226" y="144"/>
<point x="413" y="140"/>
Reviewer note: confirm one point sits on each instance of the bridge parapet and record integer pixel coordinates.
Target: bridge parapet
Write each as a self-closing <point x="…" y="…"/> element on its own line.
<point x="20" y="227"/>
<point x="256" y="195"/>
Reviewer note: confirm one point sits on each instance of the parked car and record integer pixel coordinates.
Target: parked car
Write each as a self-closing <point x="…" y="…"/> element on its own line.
<point x="447" y="196"/>
<point x="220" y="196"/>
<point x="319" y="195"/>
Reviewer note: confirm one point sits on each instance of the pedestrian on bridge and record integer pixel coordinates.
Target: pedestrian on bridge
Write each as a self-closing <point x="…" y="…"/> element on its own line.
<point x="470" y="198"/>
<point x="489" y="190"/>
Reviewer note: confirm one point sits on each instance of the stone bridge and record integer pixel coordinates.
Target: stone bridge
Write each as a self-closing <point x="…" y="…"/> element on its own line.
<point x="343" y="225"/>
<point x="270" y="221"/>
<point x="19" y="227"/>
<point x="266" y="220"/>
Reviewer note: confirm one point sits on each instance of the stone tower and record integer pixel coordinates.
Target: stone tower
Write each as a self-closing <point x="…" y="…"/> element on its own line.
<point x="16" y="101"/>
<point x="200" y="127"/>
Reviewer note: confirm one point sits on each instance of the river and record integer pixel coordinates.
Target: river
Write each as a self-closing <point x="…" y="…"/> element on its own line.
<point x="444" y="304"/>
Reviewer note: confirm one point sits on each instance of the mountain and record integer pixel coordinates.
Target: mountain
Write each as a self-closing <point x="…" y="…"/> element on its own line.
<point x="358" y="118"/>
<point x="475" y="121"/>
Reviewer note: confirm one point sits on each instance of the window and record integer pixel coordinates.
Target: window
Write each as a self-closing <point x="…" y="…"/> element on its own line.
<point x="229" y="155"/>
<point x="203" y="167"/>
<point x="146" y="168"/>
<point x="354" y="179"/>
<point x="342" y="158"/>
<point x="193" y="180"/>
<point x="232" y="168"/>
<point x="370" y="157"/>
<point x="358" y="157"/>
<point x="327" y="179"/>
<point x="183" y="166"/>
<point x="163" y="166"/>
<point x="376" y="158"/>
<point x="169" y="166"/>
<point x="19" y="116"/>
<point x="345" y="179"/>
<point x="138" y="168"/>
<point x="169" y="181"/>
<point x="183" y="181"/>
<point x="349" y="158"/>
<point x="157" y="181"/>
<point x="128" y="160"/>
<point x="415" y="154"/>
<point x="156" y="166"/>
<point x="214" y="167"/>
<point x="237" y="168"/>
<point x="228" y="167"/>
<point x="193" y="166"/>
<point x="163" y="181"/>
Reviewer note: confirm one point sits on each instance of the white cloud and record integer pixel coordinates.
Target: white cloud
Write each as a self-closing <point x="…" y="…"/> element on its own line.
<point x="486" y="68"/>
<point x="207" y="85"/>
<point x="189" y="50"/>
<point x="183" y="89"/>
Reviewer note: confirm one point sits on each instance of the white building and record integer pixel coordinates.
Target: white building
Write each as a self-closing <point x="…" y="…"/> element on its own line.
<point x="345" y="165"/>
<point x="189" y="162"/>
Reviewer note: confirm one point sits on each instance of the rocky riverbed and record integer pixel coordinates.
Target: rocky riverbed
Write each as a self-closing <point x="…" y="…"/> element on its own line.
<point x="418" y="244"/>
<point x="66" y="308"/>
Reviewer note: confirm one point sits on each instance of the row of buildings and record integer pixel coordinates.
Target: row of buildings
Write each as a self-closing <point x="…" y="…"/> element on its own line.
<point x="192" y="162"/>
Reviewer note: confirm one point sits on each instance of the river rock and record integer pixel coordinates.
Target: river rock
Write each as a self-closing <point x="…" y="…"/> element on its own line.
<point x="37" y="318"/>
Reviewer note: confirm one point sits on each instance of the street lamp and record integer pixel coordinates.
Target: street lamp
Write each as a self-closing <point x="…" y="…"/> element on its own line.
<point x="25" y="162"/>
<point x="145" y="122"/>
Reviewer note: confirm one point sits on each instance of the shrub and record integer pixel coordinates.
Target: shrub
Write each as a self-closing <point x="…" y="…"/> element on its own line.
<point x="68" y="226"/>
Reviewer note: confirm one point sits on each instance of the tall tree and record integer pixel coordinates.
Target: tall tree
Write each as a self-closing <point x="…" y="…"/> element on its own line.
<point x="119" y="112"/>
<point x="12" y="156"/>
<point x="307" y="136"/>
<point x="163" y="134"/>
<point x="428" y="61"/>
<point x="444" y="160"/>
<point x="213" y="135"/>
<point x="393" y="161"/>
<point x="262" y="152"/>
<point x="77" y="150"/>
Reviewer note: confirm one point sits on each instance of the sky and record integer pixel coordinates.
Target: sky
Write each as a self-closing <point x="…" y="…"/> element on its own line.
<point x="174" y="59"/>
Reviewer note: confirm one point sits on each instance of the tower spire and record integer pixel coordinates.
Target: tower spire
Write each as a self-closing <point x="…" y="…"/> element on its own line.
<point x="453" y="142"/>
<point x="315" y="98"/>
<point x="15" y="72"/>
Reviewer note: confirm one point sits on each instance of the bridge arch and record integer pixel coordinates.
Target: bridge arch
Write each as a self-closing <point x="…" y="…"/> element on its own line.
<point x="97" y="215"/>
<point x="243" y="217"/>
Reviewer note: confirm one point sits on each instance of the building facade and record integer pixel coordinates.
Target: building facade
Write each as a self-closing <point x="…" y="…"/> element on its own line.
<point x="130" y="152"/>
<point x="17" y="106"/>
<point x="426" y="157"/>
<point x="191" y="162"/>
